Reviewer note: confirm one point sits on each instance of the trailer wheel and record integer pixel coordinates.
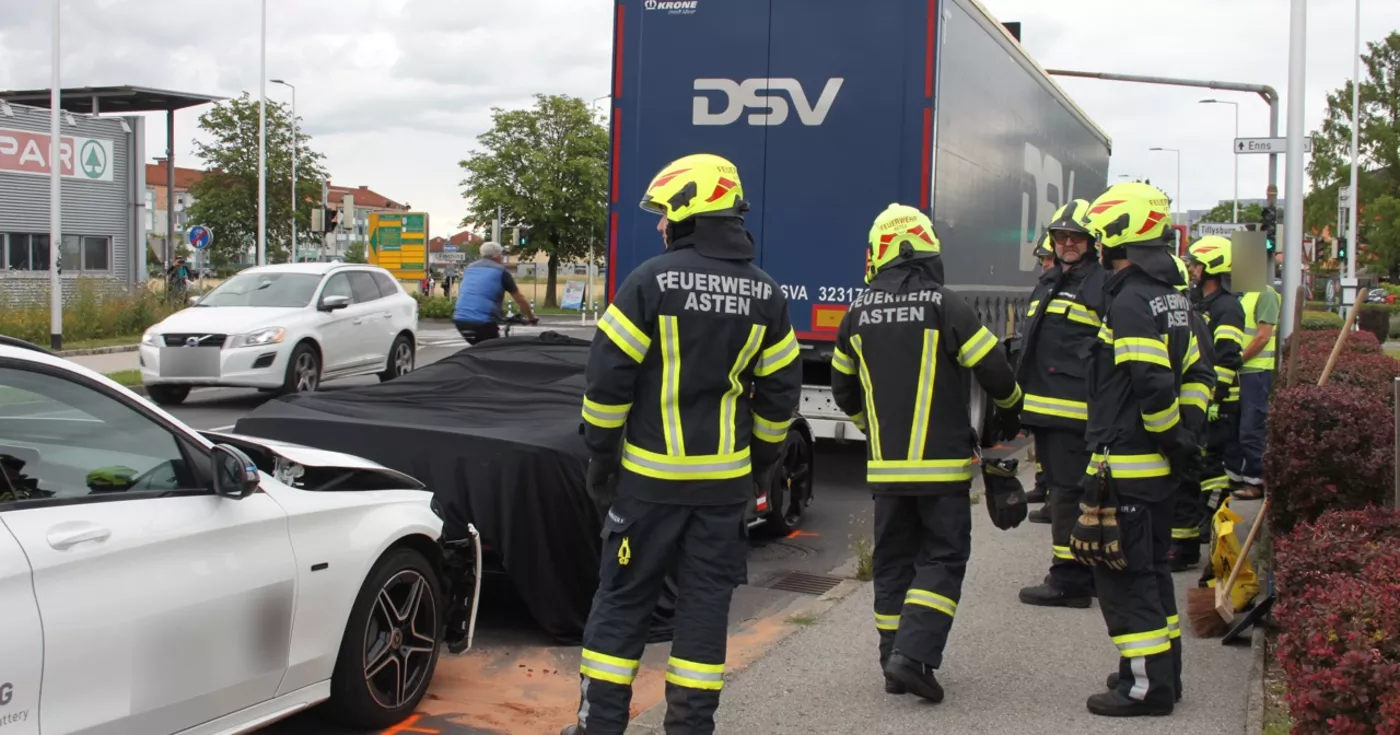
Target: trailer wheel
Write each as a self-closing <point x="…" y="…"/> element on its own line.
<point x="791" y="490"/>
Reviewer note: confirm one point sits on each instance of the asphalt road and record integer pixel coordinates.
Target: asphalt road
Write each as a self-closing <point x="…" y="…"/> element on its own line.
<point x="511" y="658"/>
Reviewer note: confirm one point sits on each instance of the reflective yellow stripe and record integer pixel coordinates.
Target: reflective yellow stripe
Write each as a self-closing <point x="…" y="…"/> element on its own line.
<point x="918" y="470"/>
<point x="1227" y="333"/>
<point x="842" y="362"/>
<point x="729" y="403"/>
<point x="694" y="675"/>
<point x="778" y="356"/>
<point x="1150" y="643"/>
<point x="1047" y="406"/>
<point x="1193" y="354"/>
<point x="1106" y="335"/>
<point x="1084" y="315"/>
<point x="1141" y="349"/>
<point x="671" y="387"/>
<point x="1131" y="466"/>
<point x="1233" y="395"/>
<point x="859" y="420"/>
<point x="1186" y="533"/>
<point x="770" y="431"/>
<point x="1057" y="306"/>
<point x="1173" y="626"/>
<point x="1031" y="310"/>
<point x="1195" y="394"/>
<point x="1010" y="400"/>
<point x="603" y="667"/>
<point x="1265" y="359"/>
<point x="871" y="419"/>
<point x="694" y="467"/>
<point x="945" y="605"/>
<point x="976" y="347"/>
<point x="624" y="333"/>
<point x="1163" y="420"/>
<point x="923" y="394"/>
<point x="886" y="622"/>
<point x="1224" y="375"/>
<point x="603" y="415"/>
<point x="1062" y="552"/>
<point x="1215" y="483"/>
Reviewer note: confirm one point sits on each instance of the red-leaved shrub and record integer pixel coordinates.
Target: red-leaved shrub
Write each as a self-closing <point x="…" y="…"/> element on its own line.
<point x="1358" y="342"/>
<point x="1329" y="447"/>
<point x="1373" y="372"/>
<point x="1339" y="542"/>
<point x="1339" y="640"/>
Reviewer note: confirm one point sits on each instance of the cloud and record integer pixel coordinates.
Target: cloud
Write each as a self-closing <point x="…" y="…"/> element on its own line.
<point x="395" y="92"/>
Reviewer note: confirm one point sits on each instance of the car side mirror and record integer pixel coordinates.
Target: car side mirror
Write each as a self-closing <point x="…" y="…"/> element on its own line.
<point x="235" y="475"/>
<point x="331" y="303"/>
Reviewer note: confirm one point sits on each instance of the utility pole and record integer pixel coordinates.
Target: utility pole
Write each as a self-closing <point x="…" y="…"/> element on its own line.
<point x="294" y="164"/>
<point x="1293" y="227"/>
<point x="1355" y="148"/>
<point x="56" y="189"/>
<point x="262" y="141"/>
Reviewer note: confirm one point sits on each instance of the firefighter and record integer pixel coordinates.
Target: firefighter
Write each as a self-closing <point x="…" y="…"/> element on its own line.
<point x="900" y="363"/>
<point x="1209" y="260"/>
<point x="1045" y="251"/>
<point x="1139" y="432"/>
<point x="692" y="382"/>
<point x="1066" y="312"/>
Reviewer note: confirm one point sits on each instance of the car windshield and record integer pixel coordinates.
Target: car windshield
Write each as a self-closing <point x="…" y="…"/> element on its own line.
<point x="284" y="290"/>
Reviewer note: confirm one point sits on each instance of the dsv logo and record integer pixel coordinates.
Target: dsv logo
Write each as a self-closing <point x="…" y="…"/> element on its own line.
<point x="1045" y="173"/>
<point x="7" y="692"/>
<point x="773" y="109"/>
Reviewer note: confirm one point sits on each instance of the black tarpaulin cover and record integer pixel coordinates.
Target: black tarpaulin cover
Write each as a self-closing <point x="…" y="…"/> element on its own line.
<point x="494" y="431"/>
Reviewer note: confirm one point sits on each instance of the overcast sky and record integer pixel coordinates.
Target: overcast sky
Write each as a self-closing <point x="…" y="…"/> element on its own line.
<point x="396" y="91"/>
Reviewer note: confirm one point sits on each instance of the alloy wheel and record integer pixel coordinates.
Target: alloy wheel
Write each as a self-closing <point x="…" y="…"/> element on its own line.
<point x="400" y="638"/>
<point x="308" y="376"/>
<point x="403" y="360"/>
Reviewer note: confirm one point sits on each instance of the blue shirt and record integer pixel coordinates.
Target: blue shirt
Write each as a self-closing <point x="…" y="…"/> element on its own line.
<point x="484" y="283"/>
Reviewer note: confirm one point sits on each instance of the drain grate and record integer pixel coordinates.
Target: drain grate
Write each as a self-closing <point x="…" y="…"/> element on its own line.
<point x="804" y="583"/>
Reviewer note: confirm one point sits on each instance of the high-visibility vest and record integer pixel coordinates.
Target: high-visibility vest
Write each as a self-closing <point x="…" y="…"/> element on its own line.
<point x="1265" y="359"/>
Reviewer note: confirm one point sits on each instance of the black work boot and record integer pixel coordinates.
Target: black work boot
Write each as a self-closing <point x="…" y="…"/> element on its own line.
<point x="892" y="685"/>
<point x="1036" y="495"/>
<point x="1048" y="595"/>
<point x="1039" y="515"/>
<point x="1181" y="557"/>
<point x="914" y="676"/>
<point x="1113" y="684"/>
<point x="1109" y="704"/>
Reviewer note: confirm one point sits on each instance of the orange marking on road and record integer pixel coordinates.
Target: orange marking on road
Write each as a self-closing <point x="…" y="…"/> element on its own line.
<point x="795" y="534"/>
<point x="408" y="726"/>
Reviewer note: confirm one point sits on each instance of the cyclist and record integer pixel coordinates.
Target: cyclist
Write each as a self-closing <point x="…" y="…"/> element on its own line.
<point x="484" y="282"/>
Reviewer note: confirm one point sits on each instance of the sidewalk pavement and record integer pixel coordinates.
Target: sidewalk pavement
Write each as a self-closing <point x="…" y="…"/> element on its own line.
<point x="1008" y="669"/>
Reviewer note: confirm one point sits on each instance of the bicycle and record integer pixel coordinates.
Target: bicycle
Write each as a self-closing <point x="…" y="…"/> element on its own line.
<point x="478" y="333"/>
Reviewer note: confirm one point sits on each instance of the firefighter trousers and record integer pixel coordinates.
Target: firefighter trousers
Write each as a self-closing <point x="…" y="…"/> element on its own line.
<point x="1064" y="455"/>
<point x="922" y="543"/>
<point x="1139" y="602"/>
<point x="1191" y="524"/>
<point x="706" y="547"/>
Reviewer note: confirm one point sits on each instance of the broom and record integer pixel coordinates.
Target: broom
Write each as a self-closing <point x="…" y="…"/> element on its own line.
<point x="1210" y="614"/>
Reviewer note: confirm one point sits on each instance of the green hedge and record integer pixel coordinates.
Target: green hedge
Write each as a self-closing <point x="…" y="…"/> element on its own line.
<point x="91" y="311"/>
<point x="1316" y="320"/>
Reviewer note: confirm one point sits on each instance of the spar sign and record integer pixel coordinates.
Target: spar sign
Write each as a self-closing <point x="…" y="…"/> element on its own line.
<point x="23" y="152"/>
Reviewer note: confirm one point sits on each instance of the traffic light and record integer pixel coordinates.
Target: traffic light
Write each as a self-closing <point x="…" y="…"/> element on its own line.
<point x="1341" y="248"/>
<point x="332" y="219"/>
<point x="1269" y="224"/>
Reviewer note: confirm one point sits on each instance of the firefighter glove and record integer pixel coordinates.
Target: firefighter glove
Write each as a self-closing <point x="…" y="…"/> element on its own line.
<point x="1186" y="462"/>
<point x="1112" y="555"/>
<point x="1214" y="413"/>
<point x="1006" y="498"/>
<point x="1086" y="540"/>
<point x="602" y="479"/>
<point x="1008" y="423"/>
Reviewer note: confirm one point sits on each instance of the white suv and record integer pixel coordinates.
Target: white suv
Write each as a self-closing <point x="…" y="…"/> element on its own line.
<point x="284" y="328"/>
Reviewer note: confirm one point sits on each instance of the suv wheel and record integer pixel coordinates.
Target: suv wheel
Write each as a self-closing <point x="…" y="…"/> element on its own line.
<point x="168" y="395"/>
<point x="303" y="371"/>
<point x="400" y="361"/>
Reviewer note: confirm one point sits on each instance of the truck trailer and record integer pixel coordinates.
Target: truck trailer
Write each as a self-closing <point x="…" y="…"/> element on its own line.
<point x="832" y="110"/>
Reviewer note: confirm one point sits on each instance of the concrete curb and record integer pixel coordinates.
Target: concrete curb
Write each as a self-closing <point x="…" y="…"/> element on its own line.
<point x="1254" y="697"/>
<point x="98" y="350"/>
<point x="651" y="719"/>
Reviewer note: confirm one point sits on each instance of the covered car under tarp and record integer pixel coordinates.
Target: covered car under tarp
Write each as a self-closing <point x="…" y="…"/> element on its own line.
<point x="494" y="431"/>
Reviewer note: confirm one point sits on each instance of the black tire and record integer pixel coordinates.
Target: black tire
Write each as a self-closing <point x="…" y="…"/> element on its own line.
<point x="791" y="489"/>
<point x="380" y="674"/>
<point x="168" y="395"/>
<point x="400" y="361"/>
<point x="303" y="370"/>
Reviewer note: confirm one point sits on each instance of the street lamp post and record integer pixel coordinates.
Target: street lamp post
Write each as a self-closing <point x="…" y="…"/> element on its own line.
<point x="1181" y="203"/>
<point x="56" y="189"/>
<point x="1355" y="147"/>
<point x="1236" y="216"/>
<point x="262" y="140"/>
<point x="294" y="164"/>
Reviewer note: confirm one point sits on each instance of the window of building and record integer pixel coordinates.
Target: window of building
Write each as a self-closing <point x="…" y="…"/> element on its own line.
<point x="150" y="209"/>
<point x="23" y="251"/>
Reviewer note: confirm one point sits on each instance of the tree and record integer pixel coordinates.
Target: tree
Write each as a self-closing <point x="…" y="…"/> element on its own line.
<point x="545" y="168"/>
<point x="1225" y="212"/>
<point x="1378" y="152"/>
<point x="355" y="253"/>
<point x="226" y="198"/>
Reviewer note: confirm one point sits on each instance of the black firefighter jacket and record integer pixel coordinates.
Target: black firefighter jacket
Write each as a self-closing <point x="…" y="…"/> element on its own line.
<point x="1225" y="315"/>
<point x="1064" y="314"/>
<point x="900" y="368"/>
<point x="1148" y="382"/>
<point x="695" y="373"/>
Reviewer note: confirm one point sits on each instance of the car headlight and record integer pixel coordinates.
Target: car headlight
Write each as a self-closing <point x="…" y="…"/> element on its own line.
<point x="150" y="338"/>
<point x="268" y="336"/>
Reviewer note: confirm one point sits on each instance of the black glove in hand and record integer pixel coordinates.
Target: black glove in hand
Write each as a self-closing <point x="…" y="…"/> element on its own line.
<point x="1186" y="461"/>
<point x="1006" y="498"/>
<point x="1008" y="422"/>
<point x="602" y="480"/>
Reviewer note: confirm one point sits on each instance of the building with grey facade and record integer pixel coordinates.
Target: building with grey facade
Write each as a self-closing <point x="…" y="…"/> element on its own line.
<point x="103" y="197"/>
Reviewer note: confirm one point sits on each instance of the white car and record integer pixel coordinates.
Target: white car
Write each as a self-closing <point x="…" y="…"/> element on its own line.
<point x="154" y="580"/>
<point x="283" y="328"/>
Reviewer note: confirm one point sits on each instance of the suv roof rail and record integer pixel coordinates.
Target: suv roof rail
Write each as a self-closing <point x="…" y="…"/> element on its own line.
<point x="9" y="341"/>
